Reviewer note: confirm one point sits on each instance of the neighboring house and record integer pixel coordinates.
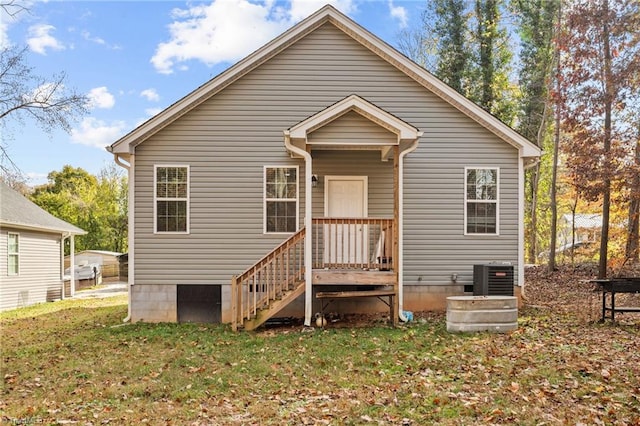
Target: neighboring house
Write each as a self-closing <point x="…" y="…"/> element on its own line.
<point x="32" y="251"/>
<point x="324" y="160"/>
<point x="578" y="229"/>
<point x="108" y="261"/>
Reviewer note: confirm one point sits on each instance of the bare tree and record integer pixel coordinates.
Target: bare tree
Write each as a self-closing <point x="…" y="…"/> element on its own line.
<point x="12" y="8"/>
<point x="26" y="95"/>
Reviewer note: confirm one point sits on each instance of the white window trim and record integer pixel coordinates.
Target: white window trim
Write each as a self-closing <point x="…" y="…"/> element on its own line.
<point x="497" y="201"/>
<point x="156" y="199"/>
<point x="9" y="254"/>
<point x="264" y="198"/>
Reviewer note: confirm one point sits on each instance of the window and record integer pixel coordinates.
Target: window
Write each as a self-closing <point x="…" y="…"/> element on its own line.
<point x="281" y="199"/>
<point x="172" y="199"/>
<point x="481" y="201"/>
<point x="14" y="254"/>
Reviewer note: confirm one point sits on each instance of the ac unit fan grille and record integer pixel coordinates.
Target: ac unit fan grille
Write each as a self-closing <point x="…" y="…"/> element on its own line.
<point x="492" y="280"/>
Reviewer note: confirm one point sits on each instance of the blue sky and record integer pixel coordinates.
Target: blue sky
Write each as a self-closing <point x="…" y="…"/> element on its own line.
<point x="134" y="59"/>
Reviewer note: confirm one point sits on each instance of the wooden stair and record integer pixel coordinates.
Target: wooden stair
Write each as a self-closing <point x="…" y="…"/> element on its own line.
<point x="262" y="315"/>
<point x="268" y="285"/>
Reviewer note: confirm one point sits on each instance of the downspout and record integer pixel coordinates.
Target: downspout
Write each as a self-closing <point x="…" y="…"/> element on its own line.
<point x="412" y="147"/>
<point x="130" y="182"/>
<point x="308" y="293"/>
<point x="72" y="265"/>
<point x="63" y="237"/>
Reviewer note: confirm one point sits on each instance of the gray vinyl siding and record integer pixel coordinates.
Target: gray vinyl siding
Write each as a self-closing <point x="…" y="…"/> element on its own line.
<point x="434" y="240"/>
<point x="353" y="129"/>
<point x="39" y="271"/>
<point x="342" y="163"/>
<point x="228" y="140"/>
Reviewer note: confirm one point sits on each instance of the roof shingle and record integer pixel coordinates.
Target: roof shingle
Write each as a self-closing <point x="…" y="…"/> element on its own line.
<point x="18" y="211"/>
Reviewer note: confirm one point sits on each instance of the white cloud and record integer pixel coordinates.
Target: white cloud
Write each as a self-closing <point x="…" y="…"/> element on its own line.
<point x="150" y="94"/>
<point x="36" y="178"/>
<point x="13" y="12"/>
<point x="98" y="40"/>
<point x="100" y="97"/>
<point x="97" y="133"/>
<point x="228" y="30"/>
<point x="300" y="9"/>
<point x="4" y="37"/>
<point x="152" y="111"/>
<point x="40" y="40"/>
<point x="399" y="13"/>
<point x="87" y="36"/>
<point x="45" y="94"/>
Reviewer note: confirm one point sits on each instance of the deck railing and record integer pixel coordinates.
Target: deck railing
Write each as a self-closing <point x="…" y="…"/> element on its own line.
<point x="353" y="243"/>
<point x="267" y="279"/>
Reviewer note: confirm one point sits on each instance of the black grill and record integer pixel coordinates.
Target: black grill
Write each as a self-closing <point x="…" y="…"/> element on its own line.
<point x="492" y="280"/>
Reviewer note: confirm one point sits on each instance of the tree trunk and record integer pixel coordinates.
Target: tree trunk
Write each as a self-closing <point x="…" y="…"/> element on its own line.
<point x="574" y="209"/>
<point x="608" y="101"/>
<point x="486" y="11"/>
<point x="533" y="214"/>
<point x="554" y="201"/>
<point x="632" y="251"/>
<point x="554" y="165"/>
<point x="535" y="180"/>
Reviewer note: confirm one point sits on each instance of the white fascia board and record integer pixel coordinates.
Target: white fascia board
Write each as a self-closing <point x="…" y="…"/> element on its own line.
<point x="127" y="143"/>
<point x="26" y="227"/>
<point x="438" y="87"/>
<point x="355" y="103"/>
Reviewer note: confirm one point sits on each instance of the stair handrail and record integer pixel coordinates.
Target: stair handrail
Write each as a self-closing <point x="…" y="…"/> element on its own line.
<point x="267" y="278"/>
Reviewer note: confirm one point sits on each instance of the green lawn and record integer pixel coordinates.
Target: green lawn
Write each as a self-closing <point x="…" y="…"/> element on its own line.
<point x="74" y="361"/>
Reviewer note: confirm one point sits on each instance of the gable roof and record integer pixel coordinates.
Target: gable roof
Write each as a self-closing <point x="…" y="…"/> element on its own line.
<point x="127" y="143"/>
<point x="584" y="220"/>
<point x="99" y="252"/>
<point x="403" y="130"/>
<point x="19" y="212"/>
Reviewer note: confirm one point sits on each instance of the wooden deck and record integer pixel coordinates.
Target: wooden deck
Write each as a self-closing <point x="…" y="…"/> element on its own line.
<point x="353" y="277"/>
<point x="354" y="252"/>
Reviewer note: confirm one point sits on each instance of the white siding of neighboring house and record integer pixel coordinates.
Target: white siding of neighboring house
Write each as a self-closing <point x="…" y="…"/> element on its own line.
<point x="39" y="275"/>
<point x="108" y="261"/>
<point x="229" y="139"/>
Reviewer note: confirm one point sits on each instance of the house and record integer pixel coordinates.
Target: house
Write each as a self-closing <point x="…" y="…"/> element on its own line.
<point x="326" y="160"/>
<point x="32" y="252"/>
<point x="575" y="230"/>
<point x="107" y="260"/>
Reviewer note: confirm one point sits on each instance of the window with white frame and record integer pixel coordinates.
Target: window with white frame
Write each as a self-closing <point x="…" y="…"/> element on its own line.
<point x="13" y="260"/>
<point x="481" y="201"/>
<point x="171" y="199"/>
<point x="280" y="199"/>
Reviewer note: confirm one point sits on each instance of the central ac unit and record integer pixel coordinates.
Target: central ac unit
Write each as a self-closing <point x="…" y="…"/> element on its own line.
<point x="493" y="280"/>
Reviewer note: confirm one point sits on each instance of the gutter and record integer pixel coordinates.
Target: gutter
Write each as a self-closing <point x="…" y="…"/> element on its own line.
<point x="127" y="167"/>
<point x="412" y="147"/>
<point x="308" y="294"/>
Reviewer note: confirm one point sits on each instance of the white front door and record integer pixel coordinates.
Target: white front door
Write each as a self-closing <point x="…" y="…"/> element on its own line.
<point x="346" y="197"/>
